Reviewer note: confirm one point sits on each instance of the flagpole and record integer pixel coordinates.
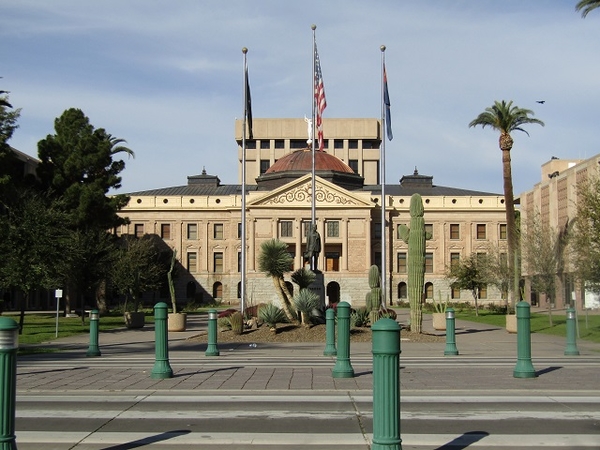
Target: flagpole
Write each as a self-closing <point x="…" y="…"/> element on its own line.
<point x="313" y="209"/>
<point x="243" y="219"/>
<point x="382" y="180"/>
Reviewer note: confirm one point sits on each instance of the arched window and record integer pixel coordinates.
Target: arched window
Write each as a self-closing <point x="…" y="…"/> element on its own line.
<point x="218" y="290"/>
<point x="428" y="290"/>
<point x="333" y="292"/>
<point x="402" y="291"/>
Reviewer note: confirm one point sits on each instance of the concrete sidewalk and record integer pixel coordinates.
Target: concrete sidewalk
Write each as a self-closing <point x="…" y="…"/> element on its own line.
<point x="486" y="360"/>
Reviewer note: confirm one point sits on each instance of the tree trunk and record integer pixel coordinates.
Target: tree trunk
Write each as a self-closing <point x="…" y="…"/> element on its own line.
<point x="506" y="143"/>
<point x="101" y="298"/>
<point x="285" y="302"/>
<point x="475" y="296"/>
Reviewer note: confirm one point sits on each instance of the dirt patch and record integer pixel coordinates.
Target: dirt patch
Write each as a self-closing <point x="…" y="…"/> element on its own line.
<point x="317" y="333"/>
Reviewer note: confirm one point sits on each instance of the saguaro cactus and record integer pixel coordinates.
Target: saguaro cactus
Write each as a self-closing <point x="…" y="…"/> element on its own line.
<point x="373" y="299"/>
<point x="415" y="237"/>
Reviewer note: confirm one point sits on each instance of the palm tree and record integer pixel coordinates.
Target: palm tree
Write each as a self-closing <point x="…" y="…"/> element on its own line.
<point x="506" y="118"/>
<point x="275" y="260"/>
<point x="585" y="6"/>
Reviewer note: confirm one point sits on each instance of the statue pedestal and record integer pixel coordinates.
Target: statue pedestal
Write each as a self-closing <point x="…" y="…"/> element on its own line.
<point x="318" y="287"/>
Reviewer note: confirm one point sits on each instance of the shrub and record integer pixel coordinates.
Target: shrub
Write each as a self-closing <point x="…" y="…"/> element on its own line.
<point x="306" y="301"/>
<point x="237" y="322"/>
<point x="223" y="323"/>
<point x="387" y="313"/>
<point x="271" y="315"/>
<point x="359" y="317"/>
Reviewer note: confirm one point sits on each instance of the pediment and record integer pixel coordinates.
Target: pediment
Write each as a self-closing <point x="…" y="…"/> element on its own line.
<point x="298" y="193"/>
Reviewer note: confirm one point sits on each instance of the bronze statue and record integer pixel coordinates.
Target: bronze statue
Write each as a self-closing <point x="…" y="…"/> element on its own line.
<point x="313" y="246"/>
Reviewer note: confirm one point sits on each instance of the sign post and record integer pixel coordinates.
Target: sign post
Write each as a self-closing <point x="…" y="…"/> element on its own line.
<point x="58" y="294"/>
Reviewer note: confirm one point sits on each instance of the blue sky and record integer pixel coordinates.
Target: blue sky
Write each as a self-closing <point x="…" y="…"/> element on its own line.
<point x="167" y="77"/>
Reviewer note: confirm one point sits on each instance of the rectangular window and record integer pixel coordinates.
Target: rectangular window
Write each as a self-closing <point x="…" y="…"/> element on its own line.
<point x="429" y="230"/>
<point x="402" y="262"/>
<point x="332" y="261"/>
<point x="353" y="163"/>
<point x="454" y="259"/>
<point x="305" y="227"/>
<point x="264" y="165"/>
<point x="138" y="230"/>
<point x="192" y="231"/>
<point x="192" y="265"/>
<point x="265" y="144"/>
<point x="338" y="143"/>
<point x="165" y="230"/>
<point x="297" y="143"/>
<point x="502" y="231"/>
<point x="239" y="262"/>
<point x="454" y="231"/>
<point x="279" y="143"/>
<point x="455" y="293"/>
<point x="353" y="143"/>
<point x="286" y="228"/>
<point x="481" y="231"/>
<point x="428" y="262"/>
<point x="218" y="231"/>
<point x="218" y="262"/>
<point x="376" y="230"/>
<point x="239" y="230"/>
<point x="250" y="144"/>
<point x="483" y="292"/>
<point x="333" y="228"/>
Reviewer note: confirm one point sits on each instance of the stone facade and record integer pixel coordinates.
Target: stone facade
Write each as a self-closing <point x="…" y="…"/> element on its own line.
<point x="202" y="220"/>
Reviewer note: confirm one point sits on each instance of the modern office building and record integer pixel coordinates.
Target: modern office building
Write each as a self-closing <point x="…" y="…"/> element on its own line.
<point x="202" y="218"/>
<point x="554" y="200"/>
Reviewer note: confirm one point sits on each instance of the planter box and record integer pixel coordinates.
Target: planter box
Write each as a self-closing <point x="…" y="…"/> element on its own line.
<point x="439" y="321"/>
<point x="135" y="319"/>
<point x="177" y="322"/>
<point x="511" y="323"/>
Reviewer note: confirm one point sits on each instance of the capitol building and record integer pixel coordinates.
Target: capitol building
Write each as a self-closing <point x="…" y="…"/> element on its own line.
<point x="201" y="218"/>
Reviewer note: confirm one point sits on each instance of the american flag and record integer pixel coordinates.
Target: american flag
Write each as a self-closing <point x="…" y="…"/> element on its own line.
<point x="320" y="101"/>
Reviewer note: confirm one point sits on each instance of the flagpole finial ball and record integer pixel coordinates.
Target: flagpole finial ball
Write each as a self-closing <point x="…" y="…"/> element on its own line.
<point x="382" y="48"/>
<point x="244" y="50"/>
<point x="313" y="27"/>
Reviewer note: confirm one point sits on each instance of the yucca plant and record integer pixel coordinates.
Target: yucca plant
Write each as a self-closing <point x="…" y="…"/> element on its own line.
<point x="271" y="315"/>
<point x="306" y="301"/>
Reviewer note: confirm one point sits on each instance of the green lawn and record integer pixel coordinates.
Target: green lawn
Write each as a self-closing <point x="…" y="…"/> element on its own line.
<point x="589" y="329"/>
<point x="39" y="328"/>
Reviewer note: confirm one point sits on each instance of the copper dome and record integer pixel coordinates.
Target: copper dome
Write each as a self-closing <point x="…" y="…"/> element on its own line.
<point x="299" y="163"/>
<point x="301" y="160"/>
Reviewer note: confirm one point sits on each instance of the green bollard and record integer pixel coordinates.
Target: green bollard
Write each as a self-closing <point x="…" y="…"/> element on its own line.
<point x="330" y="349"/>
<point x="162" y="368"/>
<point x="9" y="344"/>
<point x="343" y="368"/>
<point x="524" y="367"/>
<point x="450" y="349"/>
<point x="211" y="348"/>
<point x="93" y="349"/>
<point x="571" y="348"/>
<point x="386" y="385"/>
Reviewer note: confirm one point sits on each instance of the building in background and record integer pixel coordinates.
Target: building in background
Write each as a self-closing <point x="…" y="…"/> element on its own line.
<point x="202" y="219"/>
<point x="554" y="199"/>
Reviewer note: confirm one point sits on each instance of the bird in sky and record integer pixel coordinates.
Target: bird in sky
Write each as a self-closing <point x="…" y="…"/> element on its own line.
<point x="541" y="102"/>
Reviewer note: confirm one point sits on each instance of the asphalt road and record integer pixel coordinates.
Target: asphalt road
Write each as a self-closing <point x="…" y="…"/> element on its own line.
<point x="302" y="421"/>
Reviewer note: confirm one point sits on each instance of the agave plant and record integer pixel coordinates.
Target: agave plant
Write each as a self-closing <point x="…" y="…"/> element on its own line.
<point x="271" y="315"/>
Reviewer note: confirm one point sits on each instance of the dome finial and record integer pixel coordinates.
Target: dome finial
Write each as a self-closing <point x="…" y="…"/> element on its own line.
<point x="416" y="172"/>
